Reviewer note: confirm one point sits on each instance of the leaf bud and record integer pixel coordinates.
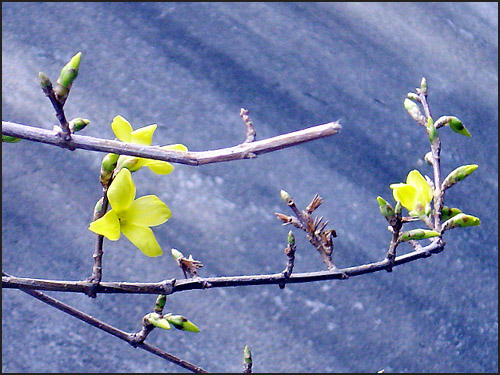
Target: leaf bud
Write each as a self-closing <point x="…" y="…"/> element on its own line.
<point x="447" y="212"/>
<point x="458" y="175"/>
<point x="413" y="110"/>
<point x="385" y="208"/>
<point x="177" y="254"/>
<point x="78" y="124"/>
<point x="431" y="130"/>
<point x="180" y="322"/>
<point x="156" y="320"/>
<point x="285" y="197"/>
<point x="247" y="359"/>
<point x="70" y="71"/>
<point x="417" y="234"/>
<point x="428" y="158"/>
<point x="160" y="303"/>
<point x="423" y="86"/>
<point x="44" y="80"/>
<point x="461" y="220"/>
<point x="109" y="162"/>
<point x="98" y="208"/>
<point x="291" y="238"/>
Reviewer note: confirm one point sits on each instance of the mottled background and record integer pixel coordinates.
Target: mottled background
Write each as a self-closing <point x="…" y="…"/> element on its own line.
<point x="190" y="67"/>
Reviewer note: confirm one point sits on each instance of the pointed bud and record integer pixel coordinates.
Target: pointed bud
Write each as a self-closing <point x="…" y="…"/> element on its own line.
<point x="291" y="238"/>
<point x="454" y="123"/>
<point x="458" y="175"/>
<point x="70" y="71"/>
<point x="423" y="86"/>
<point x="385" y="208"/>
<point x="180" y="322"/>
<point x="413" y="110"/>
<point x="417" y="234"/>
<point x="413" y="96"/>
<point x="431" y="130"/>
<point x="398" y="208"/>
<point x="156" y="320"/>
<point x="247" y="360"/>
<point x="461" y="220"/>
<point x="447" y="213"/>
<point x="44" y="80"/>
<point x="9" y="139"/>
<point x="177" y="254"/>
<point x="160" y="303"/>
<point x="97" y="209"/>
<point x="285" y="197"/>
<point x="78" y="124"/>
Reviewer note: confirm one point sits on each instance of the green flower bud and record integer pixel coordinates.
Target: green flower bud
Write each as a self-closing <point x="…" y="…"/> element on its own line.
<point x="180" y="322"/>
<point x="109" y="162"/>
<point x="423" y="86"/>
<point x="177" y="254"/>
<point x="398" y="208"/>
<point x="457" y="126"/>
<point x="461" y="220"/>
<point x="44" y="80"/>
<point x="156" y="320"/>
<point x="247" y="359"/>
<point x="285" y="197"/>
<point x="385" y="208"/>
<point x="413" y="110"/>
<point x="447" y="212"/>
<point x="98" y="208"/>
<point x="428" y="158"/>
<point x="160" y="303"/>
<point x="9" y="139"/>
<point x="431" y="130"/>
<point x="78" y="124"/>
<point x="417" y="234"/>
<point x="291" y="238"/>
<point x="458" y="175"/>
<point x="70" y="71"/>
<point x="454" y="123"/>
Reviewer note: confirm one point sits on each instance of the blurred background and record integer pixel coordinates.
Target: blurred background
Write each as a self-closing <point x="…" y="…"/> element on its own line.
<point x="190" y="67"/>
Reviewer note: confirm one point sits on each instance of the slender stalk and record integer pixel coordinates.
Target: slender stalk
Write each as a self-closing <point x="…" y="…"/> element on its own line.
<point x="172" y="286"/>
<point x="241" y="151"/>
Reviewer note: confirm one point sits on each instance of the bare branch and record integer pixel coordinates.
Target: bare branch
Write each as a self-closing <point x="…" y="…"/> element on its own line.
<point x="241" y="151"/>
<point x="172" y="286"/>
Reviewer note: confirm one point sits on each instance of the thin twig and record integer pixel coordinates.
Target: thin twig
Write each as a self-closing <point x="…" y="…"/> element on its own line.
<point x="58" y="107"/>
<point x="172" y="286"/>
<point x="251" y="133"/>
<point x="128" y="337"/>
<point x="241" y="151"/>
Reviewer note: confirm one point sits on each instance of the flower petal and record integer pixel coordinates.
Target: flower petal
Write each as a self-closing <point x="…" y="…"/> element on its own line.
<point x="178" y="147"/>
<point x="147" y="211"/>
<point x="143" y="238"/>
<point x="424" y="191"/>
<point x="121" y="128"/>
<point x="406" y="194"/>
<point x="121" y="193"/>
<point x="159" y="166"/>
<point x="108" y="226"/>
<point x="144" y="135"/>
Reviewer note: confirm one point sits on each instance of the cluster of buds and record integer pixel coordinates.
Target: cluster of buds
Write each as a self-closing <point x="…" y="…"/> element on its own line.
<point x="164" y="321"/>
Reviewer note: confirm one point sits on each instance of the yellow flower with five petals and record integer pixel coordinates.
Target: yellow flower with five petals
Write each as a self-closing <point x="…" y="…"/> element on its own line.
<point x="131" y="216"/>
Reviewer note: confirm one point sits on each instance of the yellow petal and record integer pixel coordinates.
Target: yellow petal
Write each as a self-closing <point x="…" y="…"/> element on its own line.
<point x="147" y="211"/>
<point x="121" y="193"/>
<point x="406" y="194"/>
<point x="143" y="238"/>
<point x="121" y="128"/>
<point x="108" y="226"/>
<point x="159" y="166"/>
<point x="424" y="191"/>
<point x="144" y="135"/>
<point x="178" y="147"/>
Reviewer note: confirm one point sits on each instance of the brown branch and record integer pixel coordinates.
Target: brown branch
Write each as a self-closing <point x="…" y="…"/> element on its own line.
<point x="172" y="286"/>
<point x="241" y="151"/>
<point x="128" y="337"/>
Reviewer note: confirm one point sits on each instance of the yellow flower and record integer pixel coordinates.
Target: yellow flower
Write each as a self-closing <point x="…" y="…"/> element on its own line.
<point x="131" y="216"/>
<point x="142" y="136"/>
<point x="415" y="195"/>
